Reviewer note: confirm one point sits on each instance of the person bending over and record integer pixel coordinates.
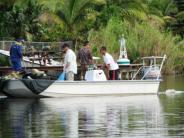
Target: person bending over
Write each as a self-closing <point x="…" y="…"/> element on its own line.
<point x="111" y="66"/>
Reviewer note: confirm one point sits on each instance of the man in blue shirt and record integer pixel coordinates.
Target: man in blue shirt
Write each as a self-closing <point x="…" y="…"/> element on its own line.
<point x="16" y="55"/>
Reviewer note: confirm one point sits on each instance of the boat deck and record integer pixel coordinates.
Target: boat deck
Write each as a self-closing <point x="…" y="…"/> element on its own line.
<point x="126" y="71"/>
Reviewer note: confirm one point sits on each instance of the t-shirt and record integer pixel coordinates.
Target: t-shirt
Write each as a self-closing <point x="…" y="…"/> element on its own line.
<point x="108" y="59"/>
<point x="70" y="58"/>
<point x="84" y="56"/>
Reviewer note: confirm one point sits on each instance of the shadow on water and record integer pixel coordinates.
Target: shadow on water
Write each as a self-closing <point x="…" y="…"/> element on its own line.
<point x="131" y="116"/>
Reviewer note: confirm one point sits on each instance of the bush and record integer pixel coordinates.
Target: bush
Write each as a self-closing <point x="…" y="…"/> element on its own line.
<point x="4" y="61"/>
<point x="143" y="39"/>
<point x="107" y="36"/>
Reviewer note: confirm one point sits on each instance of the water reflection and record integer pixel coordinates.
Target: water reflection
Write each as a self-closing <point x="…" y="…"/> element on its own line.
<point x="12" y="114"/>
<point x="138" y="116"/>
<point x="172" y="106"/>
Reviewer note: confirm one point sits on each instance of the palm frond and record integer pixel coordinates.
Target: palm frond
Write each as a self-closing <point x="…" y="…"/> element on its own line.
<point x="180" y="16"/>
<point x="134" y="14"/>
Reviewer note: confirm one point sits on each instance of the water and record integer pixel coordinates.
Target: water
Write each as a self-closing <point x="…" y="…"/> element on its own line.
<point x="143" y="116"/>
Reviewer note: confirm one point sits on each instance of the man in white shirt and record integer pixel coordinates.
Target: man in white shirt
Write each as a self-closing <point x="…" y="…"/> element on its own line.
<point x="112" y="67"/>
<point x="70" y="63"/>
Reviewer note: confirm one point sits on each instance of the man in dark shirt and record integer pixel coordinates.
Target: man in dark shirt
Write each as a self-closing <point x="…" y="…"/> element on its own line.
<point x="16" y="55"/>
<point x="85" y="58"/>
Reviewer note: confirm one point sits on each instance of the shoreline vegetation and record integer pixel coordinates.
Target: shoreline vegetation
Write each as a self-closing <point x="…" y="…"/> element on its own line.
<point x="150" y="27"/>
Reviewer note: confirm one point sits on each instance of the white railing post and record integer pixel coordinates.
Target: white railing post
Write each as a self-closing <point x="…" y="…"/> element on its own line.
<point x="161" y="66"/>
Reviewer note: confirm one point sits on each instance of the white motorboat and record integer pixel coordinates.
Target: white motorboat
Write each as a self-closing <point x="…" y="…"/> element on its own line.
<point x="17" y="88"/>
<point x="94" y="85"/>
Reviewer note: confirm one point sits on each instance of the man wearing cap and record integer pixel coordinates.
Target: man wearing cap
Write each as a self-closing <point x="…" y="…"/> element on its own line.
<point x="70" y="63"/>
<point x="16" y="55"/>
<point x="85" y="58"/>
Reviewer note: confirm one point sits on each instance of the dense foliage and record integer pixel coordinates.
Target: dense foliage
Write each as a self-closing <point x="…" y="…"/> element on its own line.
<point x="151" y="27"/>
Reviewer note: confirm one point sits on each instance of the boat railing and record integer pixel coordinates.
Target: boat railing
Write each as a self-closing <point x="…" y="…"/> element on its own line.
<point x="149" y="68"/>
<point x="138" y="71"/>
<point x="164" y="58"/>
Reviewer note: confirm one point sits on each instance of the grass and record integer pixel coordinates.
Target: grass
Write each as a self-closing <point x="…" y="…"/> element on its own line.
<point x="142" y="39"/>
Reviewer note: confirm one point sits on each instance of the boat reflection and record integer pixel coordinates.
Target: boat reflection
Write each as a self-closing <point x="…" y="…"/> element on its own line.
<point x="107" y="116"/>
<point x="82" y="117"/>
<point x="13" y="116"/>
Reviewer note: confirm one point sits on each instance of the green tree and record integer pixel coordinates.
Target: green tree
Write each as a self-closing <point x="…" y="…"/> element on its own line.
<point x="75" y="13"/>
<point x="21" y="20"/>
<point x="132" y="10"/>
<point x="178" y="26"/>
<point x="170" y="14"/>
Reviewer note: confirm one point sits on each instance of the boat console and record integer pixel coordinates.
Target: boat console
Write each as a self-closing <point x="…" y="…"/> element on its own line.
<point x="95" y="75"/>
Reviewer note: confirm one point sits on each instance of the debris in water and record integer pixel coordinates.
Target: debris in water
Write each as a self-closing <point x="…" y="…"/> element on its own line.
<point x="171" y="92"/>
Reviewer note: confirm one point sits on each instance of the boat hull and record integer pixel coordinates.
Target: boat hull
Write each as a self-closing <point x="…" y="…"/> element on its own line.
<point x="16" y="88"/>
<point x="79" y="88"/>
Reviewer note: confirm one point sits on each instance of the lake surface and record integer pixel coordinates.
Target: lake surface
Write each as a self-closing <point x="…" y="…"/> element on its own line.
<point x="142" y="116"/>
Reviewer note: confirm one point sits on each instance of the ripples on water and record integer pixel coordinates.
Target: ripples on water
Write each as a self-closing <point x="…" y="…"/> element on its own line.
<point x="132" y="116"/>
